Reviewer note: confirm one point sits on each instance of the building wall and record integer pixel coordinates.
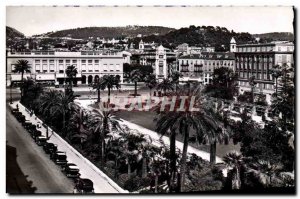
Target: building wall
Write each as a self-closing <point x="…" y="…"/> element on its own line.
<point x="201" y="69"/>
<point x="258" y="60"/>
<point x="52" y="66"/>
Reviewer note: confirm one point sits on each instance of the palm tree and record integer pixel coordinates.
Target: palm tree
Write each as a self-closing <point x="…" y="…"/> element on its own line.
<point x="46" y="102"/>
<point x="181" y="121"/>
<point x="104" y="122"/>
<point x="276" y="73"/>
<point x="110" y="82"/>
<point x="22" y="67"/>
<point x="175" y="78"/>
<point x="99" y="85"/>
<point x="212" y="132"/>
<point x="165" y="85"/>
<point x="136" y="76"/>
<point x="252" y="83"/>
<point x="63" y="105"/>
<point x="150" y="81"/>
<point x="234" y="161"/>
<point x="265" y="170"/>
<point x="71" y="73"/>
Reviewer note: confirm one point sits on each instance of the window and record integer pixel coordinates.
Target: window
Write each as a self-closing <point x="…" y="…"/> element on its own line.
<point x="90" y="61"/>
<point x="96" y="61"/>
<point x="90" y="67"/>
<point x="74" y="61"/>
<point x="51" y="68"/>
<point x="117" y="67"/>
<point x="37" y="68"/>
<point x="45" y="68"/>
<point x="83" y="68"/>
<point x="161" y="56"/>
<point x="37" y="61"/>
<point x="51" y="61"/>
<point x="44" y="61"/>
<point x="60" y="61"/>
<point x="83" y="61"/>
<point x="67" y="61"/>
<point x="96" y="68"/>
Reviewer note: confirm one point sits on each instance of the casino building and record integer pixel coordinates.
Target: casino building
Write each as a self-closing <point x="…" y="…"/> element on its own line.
<point x="50" y="66"/>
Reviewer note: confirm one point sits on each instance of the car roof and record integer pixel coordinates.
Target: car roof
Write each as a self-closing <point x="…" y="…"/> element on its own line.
<point x="73" y="167"/>
<point x="86" y="181"/>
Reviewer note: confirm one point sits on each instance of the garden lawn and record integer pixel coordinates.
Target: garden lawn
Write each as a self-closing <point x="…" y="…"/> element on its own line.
<point x="146" y="120"/>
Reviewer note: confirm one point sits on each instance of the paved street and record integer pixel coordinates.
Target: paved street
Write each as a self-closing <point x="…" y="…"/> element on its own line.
<point x="46" y="177"/>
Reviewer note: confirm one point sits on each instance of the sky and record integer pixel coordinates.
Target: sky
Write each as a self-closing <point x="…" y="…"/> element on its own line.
<point x="32" y="20"/>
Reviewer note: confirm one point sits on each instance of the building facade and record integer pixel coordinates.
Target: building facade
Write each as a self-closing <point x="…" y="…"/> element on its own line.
<point x="200" y="67"/>
<point x="50" y="66"/>
<point x="258" y="60"/>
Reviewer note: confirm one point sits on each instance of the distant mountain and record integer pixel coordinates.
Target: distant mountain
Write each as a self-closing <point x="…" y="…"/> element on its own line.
<point x="202" y="36"/>
<point x="13" y="33"/>
<point x="276" y="36"/>
<point x="110" y="32"/>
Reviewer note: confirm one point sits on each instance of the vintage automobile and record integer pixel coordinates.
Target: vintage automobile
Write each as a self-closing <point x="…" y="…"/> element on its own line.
<point x="49" y="147"/>
<point x="41" y="140"/>
<point x="30" y="128"/>
<point x="35" y="134"/>
<point x="26" y="124"/>
<point x="83" y="185"/>
<point x="71" y="170"/>
<point x="60" y="158"/>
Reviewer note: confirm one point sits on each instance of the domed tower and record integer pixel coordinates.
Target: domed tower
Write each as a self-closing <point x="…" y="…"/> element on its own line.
<point x="232" y="45"/>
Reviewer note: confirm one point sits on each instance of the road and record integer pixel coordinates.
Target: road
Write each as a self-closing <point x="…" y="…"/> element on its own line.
<point x="102" y="184"/>
<point x="46" y="177"/>
<point x="29" y="169"/>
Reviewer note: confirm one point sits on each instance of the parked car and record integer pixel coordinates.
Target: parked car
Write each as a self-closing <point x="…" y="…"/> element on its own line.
<point x="26" y="124"/>
<point x="50" y="148"/>
<point x="83" y="185"/>
<point x="71" y="170"/>
<point x="31" y="128"/>
<point x="41" y="140"/>
<point x="60" y="158"/>
<point x="55" y="153"/>
<point x="35" y="134"/>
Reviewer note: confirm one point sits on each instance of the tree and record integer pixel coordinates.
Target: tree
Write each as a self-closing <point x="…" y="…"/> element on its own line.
<point x="99" y="85"/>
<point x="252" y="83"/>
<point x="223" y="84"/>
<point x="234" y="161"/>
<point x="183" y="121"/>
<point x="110" y="82"/>
<point x="165" y="85"/>
<point x="276" y="73"/>
<point x="71" y="73"/>
<point x="103" y="122"/>
<point x="136" y="76"/>
<point x="22" y="67"/>
<point x="150" y="81"/>
<point x="175" y="78"/>
<point x="46" y="101"/>
<point x="63" y="105"/>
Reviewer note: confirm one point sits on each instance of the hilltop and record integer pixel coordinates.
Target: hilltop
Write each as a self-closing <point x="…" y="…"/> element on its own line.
<point x="110" y="32"/>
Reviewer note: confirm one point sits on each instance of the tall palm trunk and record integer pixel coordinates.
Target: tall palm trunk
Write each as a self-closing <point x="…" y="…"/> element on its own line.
<point x="135" y="89"/>
<point x="98" y="90"/>
<point x="236" y="184"/>
<point x="144" y="167"/>
<point x="22" y="81"/>
<point x="156" y="183"/>
<point x="128" y="167"/>
<point x="184" y="156"/>
<point x="102" y="151"/>
<point x="108" y="95"/>
<point x="213" y="149"/>
<point x="172" y="159"/>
